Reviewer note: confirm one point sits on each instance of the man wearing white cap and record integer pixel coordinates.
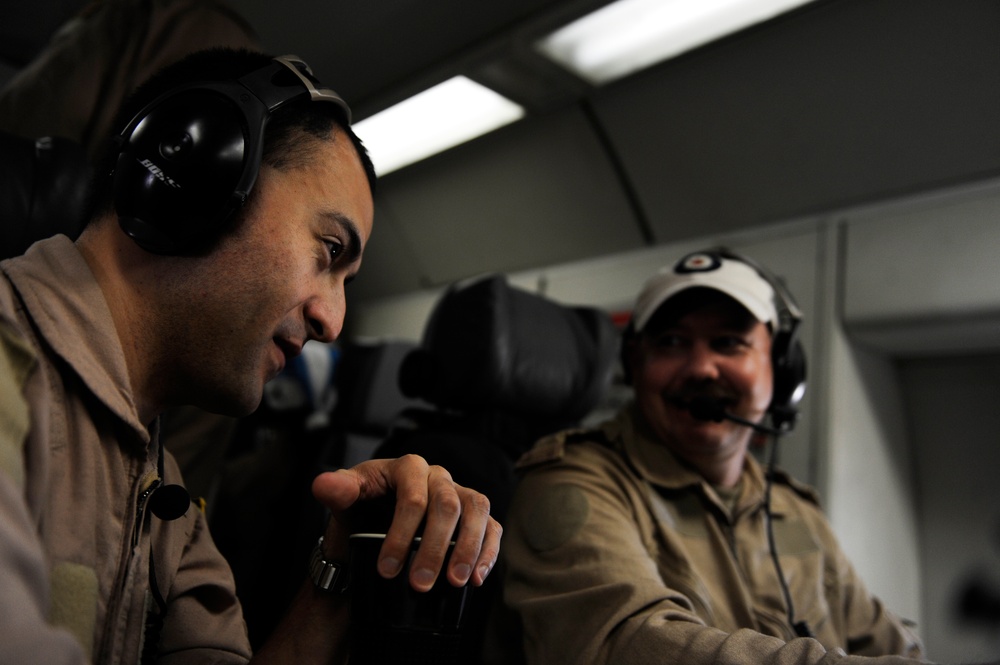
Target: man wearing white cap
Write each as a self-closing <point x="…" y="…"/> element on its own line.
<point x="655" y="537"/>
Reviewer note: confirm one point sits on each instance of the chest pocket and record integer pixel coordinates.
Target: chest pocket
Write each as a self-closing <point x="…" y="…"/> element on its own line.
<point x="728" y="574"/>
<point x="810" y="584"/>
<point x="693" y="558"/>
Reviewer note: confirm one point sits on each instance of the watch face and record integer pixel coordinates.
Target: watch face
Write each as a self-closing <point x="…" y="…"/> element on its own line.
<point x="326" y="575"/>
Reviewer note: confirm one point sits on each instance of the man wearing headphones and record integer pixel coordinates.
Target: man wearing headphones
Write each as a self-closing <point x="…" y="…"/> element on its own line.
<point x="235" y="206"/>
<point x="654" y="537"/>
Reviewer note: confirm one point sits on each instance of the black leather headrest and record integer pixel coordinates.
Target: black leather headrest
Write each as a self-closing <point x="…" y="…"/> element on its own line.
<point x="369" y="397"/>
<point x="43" y="190"/>
<point x="491" y="347"/>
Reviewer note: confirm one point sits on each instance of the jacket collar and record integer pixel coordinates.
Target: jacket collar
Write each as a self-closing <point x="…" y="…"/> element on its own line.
<point x="68" y="308"/>
<point x="664" y="470"/>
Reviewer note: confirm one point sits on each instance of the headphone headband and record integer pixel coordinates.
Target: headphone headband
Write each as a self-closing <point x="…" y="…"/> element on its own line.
<point x="788" y="358"/>
<point x="298" y="66"/>
<point x="789" y="314"/>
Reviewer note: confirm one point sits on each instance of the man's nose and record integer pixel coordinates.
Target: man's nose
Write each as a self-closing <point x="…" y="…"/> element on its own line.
<point x="324" y="318"/>
<point x="701" y="362"/>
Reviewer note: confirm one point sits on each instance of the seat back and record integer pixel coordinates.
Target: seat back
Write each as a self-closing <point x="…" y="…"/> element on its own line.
<point x="500" y="367"/>
<point x="44" y="185"/>
<point x="369" y="399"/>
<point x="517" y="363"/>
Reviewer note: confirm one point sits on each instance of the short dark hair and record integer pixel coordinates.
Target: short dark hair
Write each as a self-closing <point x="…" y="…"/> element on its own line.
<point x="282" y="148"/>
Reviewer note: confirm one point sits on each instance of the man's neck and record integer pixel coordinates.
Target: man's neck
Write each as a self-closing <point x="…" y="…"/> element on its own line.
<point x="721" y="473"/>
<point x="111" y="257"/>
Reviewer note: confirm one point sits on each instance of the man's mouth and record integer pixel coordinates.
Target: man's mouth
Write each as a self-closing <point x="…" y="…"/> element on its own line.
<point x="721" y="400"/>
<point x="289" y="349"/>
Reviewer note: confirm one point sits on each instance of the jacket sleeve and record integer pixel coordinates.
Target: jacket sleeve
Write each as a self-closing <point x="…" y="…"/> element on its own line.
<point x="870" y="627"/>
<point x="25" y="634"/>
<point x="580" y="574"/>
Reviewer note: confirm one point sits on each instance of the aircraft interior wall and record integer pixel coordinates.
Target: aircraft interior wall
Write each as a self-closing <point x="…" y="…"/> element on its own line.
<point x="953" y="424"/>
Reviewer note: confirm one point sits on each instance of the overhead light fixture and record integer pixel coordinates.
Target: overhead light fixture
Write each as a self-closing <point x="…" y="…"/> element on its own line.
<point x="432" y="121"/>
<point x="629" y="35"/>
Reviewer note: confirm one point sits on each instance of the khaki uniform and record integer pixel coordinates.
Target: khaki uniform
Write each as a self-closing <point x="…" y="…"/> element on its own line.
<point x="616" y="553"/>
<point x="70" y="490"/>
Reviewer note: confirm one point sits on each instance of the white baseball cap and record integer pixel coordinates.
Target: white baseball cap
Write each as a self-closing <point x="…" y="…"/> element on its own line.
<point x="708" y="270"/>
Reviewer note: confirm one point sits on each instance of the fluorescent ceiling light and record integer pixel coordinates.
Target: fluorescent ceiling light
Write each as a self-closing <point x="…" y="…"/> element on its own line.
<point x="629" y="35"/>
<point x="432" y="121"/>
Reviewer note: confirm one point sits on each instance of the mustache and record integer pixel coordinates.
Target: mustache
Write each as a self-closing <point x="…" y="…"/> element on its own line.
<point x="711" y="391"/>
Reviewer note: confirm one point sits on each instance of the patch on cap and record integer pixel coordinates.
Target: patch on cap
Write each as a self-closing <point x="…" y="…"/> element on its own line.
<point x="707" y="269"/>
<point x="698" y="263"/>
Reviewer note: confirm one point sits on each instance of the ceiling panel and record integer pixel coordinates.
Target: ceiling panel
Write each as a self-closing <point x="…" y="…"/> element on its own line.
<point x="841" y="103"/>
<point x="379" y="48"/>
<point x="26" y="27"/>
<point x="531" y="194"/>
<point x="390" y="265"/>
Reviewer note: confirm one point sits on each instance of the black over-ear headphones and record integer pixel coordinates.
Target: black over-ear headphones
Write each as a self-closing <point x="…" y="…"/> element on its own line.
<point x="189" y="158"/>
<point x="788" y="357"/>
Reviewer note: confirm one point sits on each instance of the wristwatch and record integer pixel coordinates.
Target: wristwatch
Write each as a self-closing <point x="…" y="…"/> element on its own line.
<point x="327" y="575"/>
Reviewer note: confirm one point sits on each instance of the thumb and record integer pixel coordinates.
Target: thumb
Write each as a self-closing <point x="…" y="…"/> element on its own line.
<point x="337" y="490"/>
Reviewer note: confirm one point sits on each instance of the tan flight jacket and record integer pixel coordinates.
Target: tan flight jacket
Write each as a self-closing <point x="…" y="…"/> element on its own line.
<point x="618" y="554"/>
<point x="75" y="501"/>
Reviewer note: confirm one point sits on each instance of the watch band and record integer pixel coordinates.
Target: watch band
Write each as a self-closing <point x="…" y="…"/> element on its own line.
<point x="327" y="575"/>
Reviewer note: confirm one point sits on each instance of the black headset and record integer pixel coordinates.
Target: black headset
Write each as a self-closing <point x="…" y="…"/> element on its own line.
<point x="190" y="157"/>
<point x="788" y="358"/>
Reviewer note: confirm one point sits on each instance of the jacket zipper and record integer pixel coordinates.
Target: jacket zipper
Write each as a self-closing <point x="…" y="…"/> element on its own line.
<point x="109" y="644"/>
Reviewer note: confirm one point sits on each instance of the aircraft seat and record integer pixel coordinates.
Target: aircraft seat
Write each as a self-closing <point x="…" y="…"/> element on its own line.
<point x="44" y="185"/>
<point x="369" y="398"/>
<point x="500" y="367"/>
<point x="511" y="364"/>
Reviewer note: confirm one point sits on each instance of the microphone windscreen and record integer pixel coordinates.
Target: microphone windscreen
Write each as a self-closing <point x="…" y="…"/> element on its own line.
<point x="169" y="502"/>
<point x="707" y="408"/>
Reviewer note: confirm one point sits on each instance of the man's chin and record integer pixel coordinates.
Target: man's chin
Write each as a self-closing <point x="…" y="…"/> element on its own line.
<point x="234" y="404"/>
<point x="703" y="433"/>
<point x="707" y="443"/>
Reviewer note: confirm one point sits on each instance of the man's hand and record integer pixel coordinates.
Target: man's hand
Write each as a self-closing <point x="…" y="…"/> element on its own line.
<point x="421" y="491"/>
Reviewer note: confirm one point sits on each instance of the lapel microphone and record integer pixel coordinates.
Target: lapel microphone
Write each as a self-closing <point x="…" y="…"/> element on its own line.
<point x="168" y="502"/>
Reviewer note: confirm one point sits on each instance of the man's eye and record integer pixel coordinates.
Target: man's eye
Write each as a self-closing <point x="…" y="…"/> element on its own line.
<point x="335" y="248"/>
<point x="668" y="341"/>
<point x="729" y="342"/>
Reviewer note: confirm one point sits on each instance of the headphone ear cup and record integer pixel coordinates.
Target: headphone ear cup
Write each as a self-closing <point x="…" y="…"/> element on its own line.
<point x="182" y="170"/>
<point x="788" y="360"/>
